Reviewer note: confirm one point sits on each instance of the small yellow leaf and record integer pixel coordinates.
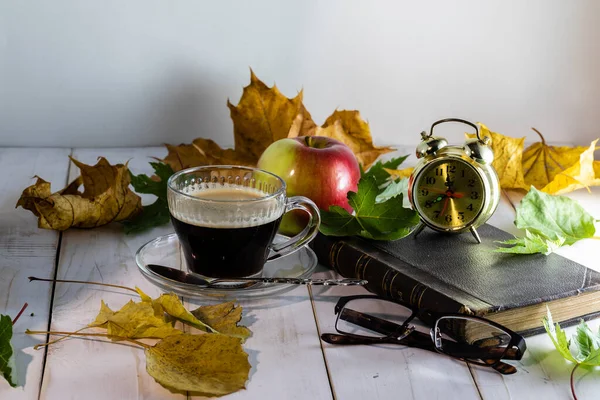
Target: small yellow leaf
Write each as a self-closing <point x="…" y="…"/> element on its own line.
<point x="212" y="365"/>
<point x="597" y="169"/>
<point x="134" y="321"/>
<point x="171" y="304"/>
<point x="508" y="152"/>
<point x="224" y="318"/>
<point x="106" y="198"/>
<point x="263" y="116"/>
<point x="542" y="163"/>
<point x="396" y="174"/>
<point x="582" y="174"/>
<point x="349" y="128"/>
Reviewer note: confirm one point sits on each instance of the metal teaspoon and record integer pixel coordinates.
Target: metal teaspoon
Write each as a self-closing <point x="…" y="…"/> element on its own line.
<point x="242" y="283"/>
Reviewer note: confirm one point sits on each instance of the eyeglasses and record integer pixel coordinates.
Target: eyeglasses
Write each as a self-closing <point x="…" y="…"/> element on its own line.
<point x="367" y="319"/>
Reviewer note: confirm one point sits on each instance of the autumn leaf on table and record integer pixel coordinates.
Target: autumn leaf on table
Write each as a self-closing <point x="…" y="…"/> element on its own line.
<point x="380" y="221"/>
<point x="549" y="222"/>
<point x="106" y="198"/>
<point x="508" y="153"/>
<point x="580" y="175"/>
<point x="212" y="365"/>
<point x="542" y="163"/>
<point x="204" y="152"/>
<point x="224" y="318"/>
<point x="349" y="128"/>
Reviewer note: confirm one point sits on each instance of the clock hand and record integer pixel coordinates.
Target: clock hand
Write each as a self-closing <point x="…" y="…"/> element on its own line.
<point x="445" y="206"/>
<point x="456" y="195"/>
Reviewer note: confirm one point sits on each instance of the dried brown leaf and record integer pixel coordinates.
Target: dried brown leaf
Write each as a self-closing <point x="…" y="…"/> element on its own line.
<point x="224" y="318"/>
<point x="212" y="365"/>
<point x="106" y="198"/>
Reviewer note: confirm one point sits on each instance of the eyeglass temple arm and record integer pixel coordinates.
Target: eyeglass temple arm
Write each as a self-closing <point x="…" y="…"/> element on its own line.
<point x="371" y="322"/>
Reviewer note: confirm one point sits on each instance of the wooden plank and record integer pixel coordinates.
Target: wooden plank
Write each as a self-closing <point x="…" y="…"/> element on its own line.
<point x="26" y="250"/>
<point x="284" y="351"/>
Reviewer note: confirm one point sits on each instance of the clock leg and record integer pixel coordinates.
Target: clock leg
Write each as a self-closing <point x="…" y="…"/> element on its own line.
<point x="475" y="235"/>
<point x="418" y="230"/>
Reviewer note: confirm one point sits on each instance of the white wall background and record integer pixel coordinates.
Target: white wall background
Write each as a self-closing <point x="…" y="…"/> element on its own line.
<point x="144" y="72"/>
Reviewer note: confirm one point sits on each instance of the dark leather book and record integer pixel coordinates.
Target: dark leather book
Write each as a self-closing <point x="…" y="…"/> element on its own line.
<point x="452" y="273"/>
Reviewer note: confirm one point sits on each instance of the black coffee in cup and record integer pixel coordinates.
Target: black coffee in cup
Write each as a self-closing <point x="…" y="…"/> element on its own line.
<point x="227" y="216"/>
<point x="230" y="244"/>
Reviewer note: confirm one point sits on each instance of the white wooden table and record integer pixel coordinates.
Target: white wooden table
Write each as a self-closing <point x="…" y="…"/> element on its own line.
<point x="288" y="359"/>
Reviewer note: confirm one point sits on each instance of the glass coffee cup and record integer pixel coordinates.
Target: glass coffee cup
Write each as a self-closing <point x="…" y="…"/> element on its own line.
<point x="226" y="218"/>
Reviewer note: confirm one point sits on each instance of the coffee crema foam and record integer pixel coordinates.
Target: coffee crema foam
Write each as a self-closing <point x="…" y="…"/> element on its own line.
<point x="226" y="206"/>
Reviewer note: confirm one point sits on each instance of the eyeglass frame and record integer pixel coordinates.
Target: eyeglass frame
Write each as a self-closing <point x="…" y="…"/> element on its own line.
<point x="405" y="334"/>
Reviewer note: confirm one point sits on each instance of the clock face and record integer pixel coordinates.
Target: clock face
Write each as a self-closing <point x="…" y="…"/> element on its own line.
<point x="449" y="193"/>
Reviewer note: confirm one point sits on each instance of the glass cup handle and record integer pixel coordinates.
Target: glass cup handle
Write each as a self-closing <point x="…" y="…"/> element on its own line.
<point x="308" y="233"/>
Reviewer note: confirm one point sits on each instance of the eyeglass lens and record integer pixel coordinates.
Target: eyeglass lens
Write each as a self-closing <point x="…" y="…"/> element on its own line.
<point x="470" y="339"/>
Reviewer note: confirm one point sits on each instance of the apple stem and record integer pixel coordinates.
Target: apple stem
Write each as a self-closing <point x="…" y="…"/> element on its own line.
<point x="33" y="278"/>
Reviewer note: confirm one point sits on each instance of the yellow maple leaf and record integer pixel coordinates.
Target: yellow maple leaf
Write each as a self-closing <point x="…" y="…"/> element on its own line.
<point x="542" y="163"/>
<point x="106" y="198"/>
<point x="210" y="365"/>
<point x="349" y="128"/>
<point x="223" y="317"/>
<point x="582" y="174"/>
<point x="263" y="116"/>
<point x="399" y="173"/>
<point x="134" y="321"/>
<point x="508" y="153"/>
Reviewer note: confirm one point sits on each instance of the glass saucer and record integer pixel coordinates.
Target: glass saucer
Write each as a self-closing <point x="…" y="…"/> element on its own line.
<point x="166" y="250"/>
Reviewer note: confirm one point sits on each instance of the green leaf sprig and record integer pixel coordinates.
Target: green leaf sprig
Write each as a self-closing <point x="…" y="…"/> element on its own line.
<point x="7" y="354"/>
<point x="549" y="221"/>
<point x="380" y="221"/>
<point x="378" y="172"/>
<point x="585" y="342"/>
<point x="157" y="213"/>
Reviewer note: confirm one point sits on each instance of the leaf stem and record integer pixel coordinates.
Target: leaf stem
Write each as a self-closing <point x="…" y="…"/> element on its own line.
<point x="76" y="333"/>
<point x="541" y="136"/>
<point x="19" y="314"/>
<point x="572" y="386"/>
<point x="33" y="278"/>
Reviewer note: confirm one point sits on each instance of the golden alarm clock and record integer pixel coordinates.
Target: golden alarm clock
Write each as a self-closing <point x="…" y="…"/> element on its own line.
<point x="454" y="189"/>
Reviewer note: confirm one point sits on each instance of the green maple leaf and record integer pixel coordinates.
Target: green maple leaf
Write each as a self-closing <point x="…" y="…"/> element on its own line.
<point x="157" y="213"/>
<point x="549" y="222"/>
<point x="380" y="221"/>
<point x="7" y="354"/>
<point x="377" y="170"/>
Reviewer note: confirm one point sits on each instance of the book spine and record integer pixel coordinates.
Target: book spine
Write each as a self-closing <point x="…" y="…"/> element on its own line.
<point x="350" y="261"/>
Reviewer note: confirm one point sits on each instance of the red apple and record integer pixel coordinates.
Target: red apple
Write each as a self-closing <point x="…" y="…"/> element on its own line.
<point x="318" y="167"/>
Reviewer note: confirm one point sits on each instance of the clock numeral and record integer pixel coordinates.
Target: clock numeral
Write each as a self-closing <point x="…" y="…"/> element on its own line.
<point x="448" y="218"/>
<point x="430" y="180"/>
<point x="462" y="173"/>
<point x="474" y="195"/>
<point x="461" y="215"/>
<point x="428" y="204"/>
<point x="471" y="183"/>
<point x="470" y="207"/>
<point x="424" y="192"/>
<point x="451" y="169"/>
<point x="436" y="214"/>
<point x="439" y="172"/>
